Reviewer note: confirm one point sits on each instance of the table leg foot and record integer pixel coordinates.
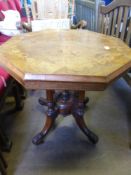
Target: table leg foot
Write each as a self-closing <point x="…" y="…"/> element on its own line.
<point x="93" y="138"/>
<point x="39" y="138"/>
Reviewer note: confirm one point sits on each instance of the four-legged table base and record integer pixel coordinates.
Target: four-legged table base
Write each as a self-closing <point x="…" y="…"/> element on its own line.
<point x="64" y="103"/>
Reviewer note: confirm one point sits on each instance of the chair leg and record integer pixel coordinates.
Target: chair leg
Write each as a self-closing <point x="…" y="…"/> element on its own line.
<point x="22" y="91"/>
<point x="3" y="165"/>
<point x="5" y="143"/>
<point x="18" y="97"/>
<point x="3" y="160"/>
<point x="2" y="169"/>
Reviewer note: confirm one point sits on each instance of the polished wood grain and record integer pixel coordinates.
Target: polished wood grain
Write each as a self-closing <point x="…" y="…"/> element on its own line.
<point x="69" y="59"/>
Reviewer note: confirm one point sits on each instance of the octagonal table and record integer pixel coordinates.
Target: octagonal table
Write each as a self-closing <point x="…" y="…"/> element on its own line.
<point x="72" y="61"/>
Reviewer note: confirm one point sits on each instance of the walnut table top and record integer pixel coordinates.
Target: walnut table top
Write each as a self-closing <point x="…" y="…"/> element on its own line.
<point x="68" y="59"/>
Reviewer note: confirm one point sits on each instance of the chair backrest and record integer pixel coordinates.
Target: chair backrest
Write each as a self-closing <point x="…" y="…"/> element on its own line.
<point x="115" y="19"/>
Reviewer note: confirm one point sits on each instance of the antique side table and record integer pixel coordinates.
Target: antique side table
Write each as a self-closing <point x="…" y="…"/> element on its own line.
<point x="71" y="61"/>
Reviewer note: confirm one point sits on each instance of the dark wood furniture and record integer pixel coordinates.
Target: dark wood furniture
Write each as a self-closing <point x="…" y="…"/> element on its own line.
<point x="70" y="61"/>
<point x="3" y="164"/>
<point x="14" y="89"/>
<point x="115" y="20"/>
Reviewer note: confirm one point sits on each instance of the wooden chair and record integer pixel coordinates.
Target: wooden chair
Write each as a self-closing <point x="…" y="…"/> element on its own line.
<point x="115" y="20"/>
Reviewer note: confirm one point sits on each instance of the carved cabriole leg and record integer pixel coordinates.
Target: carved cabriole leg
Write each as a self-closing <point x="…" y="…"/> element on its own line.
<point x="52" y="113"/>
<point x="78" y="114"/>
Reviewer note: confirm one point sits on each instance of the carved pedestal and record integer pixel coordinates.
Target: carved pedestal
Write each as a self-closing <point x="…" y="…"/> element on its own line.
<point x="64" y="103"/>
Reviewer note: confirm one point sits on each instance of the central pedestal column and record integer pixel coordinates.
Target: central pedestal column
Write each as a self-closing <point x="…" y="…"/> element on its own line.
<point x="64" y="103"/>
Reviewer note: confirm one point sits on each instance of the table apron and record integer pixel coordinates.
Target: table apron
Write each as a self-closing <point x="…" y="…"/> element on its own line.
<point x="64" y="85"/>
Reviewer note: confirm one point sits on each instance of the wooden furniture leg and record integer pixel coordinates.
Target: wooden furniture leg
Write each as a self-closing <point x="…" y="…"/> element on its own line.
<point x="79" y="118"/>
<point x="5" y="142"/>
<point x="52" y="113"/>
<point x="3" y="164"/>
<point x="2" y="169"/>
<point x="3" y="160"/>
<point x="64" y="103"/>
<point x="18" y="97"/>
